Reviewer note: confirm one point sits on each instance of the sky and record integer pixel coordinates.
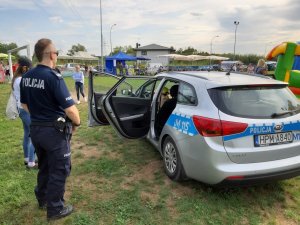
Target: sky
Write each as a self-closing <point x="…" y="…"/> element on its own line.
<point x="177" y="23"/>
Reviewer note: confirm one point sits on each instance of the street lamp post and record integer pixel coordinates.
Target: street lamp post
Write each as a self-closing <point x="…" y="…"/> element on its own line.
<point x="236" y="23"/>
<point x="110" y="38"/>
<point x="211" y="41"/>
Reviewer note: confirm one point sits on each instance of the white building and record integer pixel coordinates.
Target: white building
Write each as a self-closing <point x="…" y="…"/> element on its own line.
<point x="153" y="51"/>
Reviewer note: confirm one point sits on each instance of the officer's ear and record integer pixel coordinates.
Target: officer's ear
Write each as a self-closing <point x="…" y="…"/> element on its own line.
<point x="51" y="56"/>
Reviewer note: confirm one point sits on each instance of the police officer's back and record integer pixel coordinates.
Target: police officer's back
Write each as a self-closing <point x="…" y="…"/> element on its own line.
<point x="45" y="95"/>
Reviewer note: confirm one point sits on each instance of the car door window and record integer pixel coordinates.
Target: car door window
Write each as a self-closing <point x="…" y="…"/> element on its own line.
<point x="187" y="94"/>
<point x="137" y="88"/>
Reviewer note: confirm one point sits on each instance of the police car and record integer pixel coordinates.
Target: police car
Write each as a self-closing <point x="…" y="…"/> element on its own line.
<point x="224" y="128"/>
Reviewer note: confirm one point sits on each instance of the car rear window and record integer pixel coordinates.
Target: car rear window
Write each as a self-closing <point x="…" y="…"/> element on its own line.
<point x="255" y="101"/>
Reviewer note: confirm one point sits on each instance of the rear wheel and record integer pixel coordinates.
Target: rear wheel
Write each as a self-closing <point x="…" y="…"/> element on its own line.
<point x="172" y="161"/>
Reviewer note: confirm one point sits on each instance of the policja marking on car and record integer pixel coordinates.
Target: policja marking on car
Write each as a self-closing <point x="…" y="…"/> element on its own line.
<point x="266" y="129"/>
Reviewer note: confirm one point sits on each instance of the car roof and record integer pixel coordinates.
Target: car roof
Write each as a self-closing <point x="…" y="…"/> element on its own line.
<point x="219" y="79"/>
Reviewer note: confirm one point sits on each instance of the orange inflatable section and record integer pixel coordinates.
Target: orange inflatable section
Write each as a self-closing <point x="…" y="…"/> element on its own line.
<point x="295" y="90"/>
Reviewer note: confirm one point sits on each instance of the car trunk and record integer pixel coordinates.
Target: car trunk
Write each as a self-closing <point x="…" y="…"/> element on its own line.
<point x="270" y="116"/>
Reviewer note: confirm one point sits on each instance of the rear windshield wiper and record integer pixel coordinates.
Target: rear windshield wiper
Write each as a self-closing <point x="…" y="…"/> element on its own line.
<point x="284" y="113"/>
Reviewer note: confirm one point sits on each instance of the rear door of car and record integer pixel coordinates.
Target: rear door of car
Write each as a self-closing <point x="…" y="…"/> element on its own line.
<point x="127" y="106"/>
<point x="99" y="85"/>
<point x="270" y="132"/>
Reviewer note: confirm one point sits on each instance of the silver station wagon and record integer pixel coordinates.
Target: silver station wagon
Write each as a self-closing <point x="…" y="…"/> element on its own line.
<point x="213" y="127"/>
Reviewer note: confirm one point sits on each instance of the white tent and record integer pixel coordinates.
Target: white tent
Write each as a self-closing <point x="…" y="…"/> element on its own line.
<point x="215" y="57"/>
<point x="78" y="55"/>
<point x="176" y="57"/>
<point x="196" y="57"/>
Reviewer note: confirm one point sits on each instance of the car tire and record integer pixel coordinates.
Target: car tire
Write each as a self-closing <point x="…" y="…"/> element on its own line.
<point x="172" y="162"/>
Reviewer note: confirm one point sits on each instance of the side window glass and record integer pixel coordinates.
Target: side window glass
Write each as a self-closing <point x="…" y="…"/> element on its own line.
<point x="186" y="94"/>
<point x="164" y="94"/>
<point x="102" y="83"/>
<point x="136" y="87"/>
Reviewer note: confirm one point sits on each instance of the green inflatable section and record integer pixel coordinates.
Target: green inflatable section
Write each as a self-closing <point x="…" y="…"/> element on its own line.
<point x="285" y="62"/>
<point x="294" y="78"/>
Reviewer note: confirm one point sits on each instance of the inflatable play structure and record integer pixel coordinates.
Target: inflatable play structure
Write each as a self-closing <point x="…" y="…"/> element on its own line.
<point x="288" y="64"/>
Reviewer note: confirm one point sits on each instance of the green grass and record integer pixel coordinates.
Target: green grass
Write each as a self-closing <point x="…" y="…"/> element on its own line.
<point x="118" y="181"/>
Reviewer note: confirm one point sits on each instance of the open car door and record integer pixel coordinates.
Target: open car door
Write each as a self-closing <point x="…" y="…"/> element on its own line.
<point x="99" y="85"/>
<point x="127" y="106"/>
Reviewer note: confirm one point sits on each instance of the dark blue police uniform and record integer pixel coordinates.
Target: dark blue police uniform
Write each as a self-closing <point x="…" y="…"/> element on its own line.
<point x="46" y="95"/>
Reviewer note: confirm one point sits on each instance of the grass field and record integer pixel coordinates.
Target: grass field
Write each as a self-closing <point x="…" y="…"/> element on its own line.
<point x="118" y="181"/>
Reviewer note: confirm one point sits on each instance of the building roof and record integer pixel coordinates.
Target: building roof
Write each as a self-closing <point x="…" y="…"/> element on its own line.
<point x="152" y="47"/>
<point x="78" y="55"/>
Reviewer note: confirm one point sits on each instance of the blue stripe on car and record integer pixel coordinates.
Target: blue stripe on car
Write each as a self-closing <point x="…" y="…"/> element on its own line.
<point x="265" y="129"/>
<point x="182" y="123"/>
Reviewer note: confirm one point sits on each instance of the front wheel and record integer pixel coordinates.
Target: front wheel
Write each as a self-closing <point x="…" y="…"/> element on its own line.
<point x="172" y="161"/>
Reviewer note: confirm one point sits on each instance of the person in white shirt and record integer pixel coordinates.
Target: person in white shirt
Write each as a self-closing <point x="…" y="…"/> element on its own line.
<point x="28" y="148"/>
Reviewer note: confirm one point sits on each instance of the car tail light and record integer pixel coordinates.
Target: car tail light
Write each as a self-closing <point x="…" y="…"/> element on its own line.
<point x="209" y="127"/>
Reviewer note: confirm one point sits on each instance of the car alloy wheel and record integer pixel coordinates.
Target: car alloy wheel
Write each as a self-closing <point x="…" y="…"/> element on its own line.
<point x="172" y="161"/>
<point x="170" y="157"/>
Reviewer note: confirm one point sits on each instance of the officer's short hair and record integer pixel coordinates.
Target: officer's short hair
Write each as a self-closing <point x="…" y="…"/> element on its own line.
<point x="40" y="47"/>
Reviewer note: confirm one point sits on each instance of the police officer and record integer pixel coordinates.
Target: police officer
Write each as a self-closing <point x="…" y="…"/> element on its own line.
<point x="45" y="96"/>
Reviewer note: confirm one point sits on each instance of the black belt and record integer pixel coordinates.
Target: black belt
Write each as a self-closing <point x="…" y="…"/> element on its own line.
<point x="42" y="124"/>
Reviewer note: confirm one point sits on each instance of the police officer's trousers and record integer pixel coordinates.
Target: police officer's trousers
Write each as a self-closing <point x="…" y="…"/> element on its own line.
<point x="53" y="152"/>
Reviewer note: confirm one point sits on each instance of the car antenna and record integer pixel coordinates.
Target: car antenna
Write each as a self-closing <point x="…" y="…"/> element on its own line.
<point x="231" y="69"/>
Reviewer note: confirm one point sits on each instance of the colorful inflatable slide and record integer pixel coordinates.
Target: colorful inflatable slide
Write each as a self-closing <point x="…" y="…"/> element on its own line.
<point x="288" y="64"/>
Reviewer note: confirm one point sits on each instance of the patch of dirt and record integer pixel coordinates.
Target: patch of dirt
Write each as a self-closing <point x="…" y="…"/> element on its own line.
<point x="279" y="219"/>
<point x="172" y="208"/>
<point x="89" y="152"/>
<point x="179" y="190"/>
<point x="90" y="185"/>
<point x="146" y="172"/>
<point x="152" y="196"/>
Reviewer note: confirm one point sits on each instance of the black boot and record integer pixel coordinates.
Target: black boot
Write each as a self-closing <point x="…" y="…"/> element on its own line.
<point x="67" y="210"/>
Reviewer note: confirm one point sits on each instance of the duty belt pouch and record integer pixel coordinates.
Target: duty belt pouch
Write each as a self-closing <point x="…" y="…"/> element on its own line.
<point x="60" y="124"/>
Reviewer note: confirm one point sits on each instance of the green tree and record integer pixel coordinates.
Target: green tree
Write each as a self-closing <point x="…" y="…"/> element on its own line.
<point x="127" y="49"/>
<point x="5" y="47"/>
<point x="187" y="51"/>
<point x="76" y="48"/>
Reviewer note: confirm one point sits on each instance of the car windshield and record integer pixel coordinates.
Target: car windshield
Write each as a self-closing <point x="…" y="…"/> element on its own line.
<point x="256" y="101"/>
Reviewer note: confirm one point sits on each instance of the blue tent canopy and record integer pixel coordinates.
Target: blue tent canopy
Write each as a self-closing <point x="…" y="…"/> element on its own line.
<point x="120" y="57"/>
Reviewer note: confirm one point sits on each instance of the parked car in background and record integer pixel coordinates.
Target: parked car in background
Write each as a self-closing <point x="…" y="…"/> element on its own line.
<point x="71" y="66"/>
<point x="227" y="65"/>
<point x="215" y="128"/>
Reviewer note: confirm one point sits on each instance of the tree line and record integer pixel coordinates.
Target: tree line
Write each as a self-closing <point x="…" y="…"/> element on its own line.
<point x="245" y="58"/>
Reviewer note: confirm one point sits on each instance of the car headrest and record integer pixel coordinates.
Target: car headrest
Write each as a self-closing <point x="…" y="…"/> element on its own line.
<point x="174" y="90"/>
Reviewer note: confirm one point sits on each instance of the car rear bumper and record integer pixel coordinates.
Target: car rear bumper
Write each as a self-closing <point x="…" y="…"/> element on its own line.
<point x="259" y="178"/>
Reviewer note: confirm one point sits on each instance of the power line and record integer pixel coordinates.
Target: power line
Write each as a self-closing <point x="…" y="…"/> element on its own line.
<point x="74" y="10"/>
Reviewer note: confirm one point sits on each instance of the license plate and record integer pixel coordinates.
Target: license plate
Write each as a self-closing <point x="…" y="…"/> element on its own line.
<point x="273" y="139"/>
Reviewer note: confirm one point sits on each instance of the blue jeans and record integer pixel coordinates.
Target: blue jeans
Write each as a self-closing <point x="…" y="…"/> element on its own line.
<point x="79" y="87"/>
<point x="29" y="151"/>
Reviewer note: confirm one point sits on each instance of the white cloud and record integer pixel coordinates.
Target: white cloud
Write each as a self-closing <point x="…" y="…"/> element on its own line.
<point x="56" y="19"/>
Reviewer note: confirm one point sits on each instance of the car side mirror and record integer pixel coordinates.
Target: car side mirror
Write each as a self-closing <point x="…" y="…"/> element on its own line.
<point x="126" y="92"/>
